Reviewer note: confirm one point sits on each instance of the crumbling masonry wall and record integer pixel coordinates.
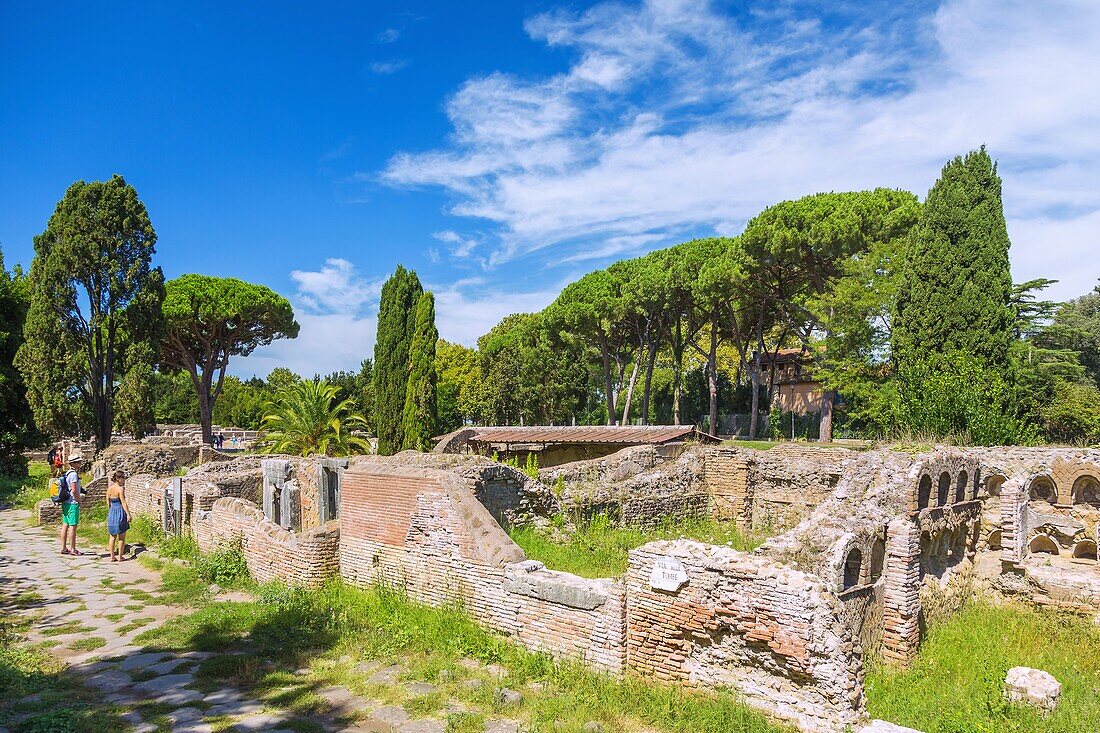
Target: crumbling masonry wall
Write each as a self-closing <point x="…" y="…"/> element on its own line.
<point x="423" y="530"/>
<point x="742" y="621"/>
<point x="307" y="558"/>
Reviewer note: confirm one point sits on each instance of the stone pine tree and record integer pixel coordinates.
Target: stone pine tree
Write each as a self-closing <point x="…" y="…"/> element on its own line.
<point x="396" y="320"/>
<point x="955" y="288"/>
<point x="419" y="418"/>
<point x="210" y="319"/>
<point x="95" y="310"/>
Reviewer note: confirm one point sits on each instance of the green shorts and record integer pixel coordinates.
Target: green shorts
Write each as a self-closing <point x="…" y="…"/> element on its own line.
<point x="70" y="513"/>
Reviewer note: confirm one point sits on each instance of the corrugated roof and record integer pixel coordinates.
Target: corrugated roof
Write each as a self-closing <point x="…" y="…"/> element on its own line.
<point x="614" y="434"/>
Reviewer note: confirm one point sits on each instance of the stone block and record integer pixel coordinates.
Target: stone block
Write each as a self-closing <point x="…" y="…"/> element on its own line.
<point x="1032" y="687"/>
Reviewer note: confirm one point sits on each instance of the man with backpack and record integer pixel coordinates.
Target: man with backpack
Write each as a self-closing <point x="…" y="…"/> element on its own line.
<point x="68" y="496"/>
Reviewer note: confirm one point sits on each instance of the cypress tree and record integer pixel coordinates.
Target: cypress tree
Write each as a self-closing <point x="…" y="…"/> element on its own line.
<point x="419" y="418"/>
<point x="396" y="319"/>
<point x="955" y="286"/>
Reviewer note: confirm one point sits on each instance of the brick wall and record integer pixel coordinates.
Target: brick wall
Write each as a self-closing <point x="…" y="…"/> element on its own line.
<point x="305" y="558"/>
<point x="423" y="530"/>
<point x="727" y="479"/>
<point x="739" y="620"/>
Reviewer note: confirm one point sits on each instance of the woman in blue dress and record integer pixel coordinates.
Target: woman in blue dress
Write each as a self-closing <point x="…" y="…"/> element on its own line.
<point x="118" y="515"/>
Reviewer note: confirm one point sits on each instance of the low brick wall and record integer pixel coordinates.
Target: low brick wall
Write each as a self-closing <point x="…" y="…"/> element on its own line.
<point x="306" y="558"/>
<point x="727" y="618"/>
<point x="46" y="512"/>
<point x="423" y="530"/>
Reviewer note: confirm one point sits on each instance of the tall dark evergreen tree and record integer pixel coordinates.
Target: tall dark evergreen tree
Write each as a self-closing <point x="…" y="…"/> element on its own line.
<point x="953" y="327"/>
<point x="419" y="419"/>
<point x="16" y="424"/>
<point x="396" y="320"/>
<point x="95" y="311"/>
<point x="956" y="287"/>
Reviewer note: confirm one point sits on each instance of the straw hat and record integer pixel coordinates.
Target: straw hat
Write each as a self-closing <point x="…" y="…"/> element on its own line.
<point x="76" y="458"/>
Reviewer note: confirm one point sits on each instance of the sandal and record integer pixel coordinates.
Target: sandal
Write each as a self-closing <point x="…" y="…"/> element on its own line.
<point x="78" y="553"/>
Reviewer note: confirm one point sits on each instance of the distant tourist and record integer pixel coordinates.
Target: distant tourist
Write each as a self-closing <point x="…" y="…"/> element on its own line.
<point x="53" y="460"/>
<point x="118" y="515"/>
<point x="69" y="492"/>
<point x="221" y="441"/>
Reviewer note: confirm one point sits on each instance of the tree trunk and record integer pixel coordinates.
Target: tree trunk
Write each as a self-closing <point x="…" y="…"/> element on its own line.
<point x="630" y="391"/>
<point x="677" y="372"/>
<point x="754" y="377"/>
<point x="825" y="431"/>
<point x="712" y="378"/>
<point x="648" y="389"/>
<point x="609" y="394"/>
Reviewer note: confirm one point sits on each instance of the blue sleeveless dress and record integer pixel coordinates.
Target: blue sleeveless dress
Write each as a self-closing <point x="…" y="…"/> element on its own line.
<point x="116" y="518"/>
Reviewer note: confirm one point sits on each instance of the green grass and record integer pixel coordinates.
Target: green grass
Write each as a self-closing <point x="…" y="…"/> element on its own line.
<point x="88" y="643"/>
<point x="955" y="683"/>
<point x="24" y="493"/>
<point x="597" y="548"/>
<point x="337" y="627"/>
<point x="63" y="704"/>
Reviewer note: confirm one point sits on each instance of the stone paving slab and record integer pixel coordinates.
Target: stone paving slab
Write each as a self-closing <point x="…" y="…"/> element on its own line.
<point x="69" y="591"/>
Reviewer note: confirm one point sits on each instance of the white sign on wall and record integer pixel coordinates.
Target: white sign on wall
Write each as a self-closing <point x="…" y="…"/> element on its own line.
<point x="668" y="574"/>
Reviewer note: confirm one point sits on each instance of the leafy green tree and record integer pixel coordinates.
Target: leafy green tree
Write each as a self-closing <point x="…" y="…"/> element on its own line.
<point x="136" y="412"/>
<point x="1076" y="327"/>
<point x="814" y="267"/>
<point x="17" y="430"/>
<point x="210" y="319"/>
<point x="280" y="378"/>
<point x="458" y="379"/>
<point x="358" y="386"/>
<point x="1072" y="413"/>
<point x="174" y="399"/>
<point x="419" y="416"/>
<point x="95" y="305"/>
<point x="308" y="418"/>
<point x="955" y="286"/>
<point x="241" y="403"/>
<point x="396" y="321"/>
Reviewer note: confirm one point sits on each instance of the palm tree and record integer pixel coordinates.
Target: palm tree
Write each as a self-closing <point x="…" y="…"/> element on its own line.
<point x="306" y="419"/>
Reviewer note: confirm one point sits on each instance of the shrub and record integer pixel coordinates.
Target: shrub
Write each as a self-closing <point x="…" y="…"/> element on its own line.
<point x="955" y="395"/>
<point x="223" y="566"/>
<point x="1073" y="414"/>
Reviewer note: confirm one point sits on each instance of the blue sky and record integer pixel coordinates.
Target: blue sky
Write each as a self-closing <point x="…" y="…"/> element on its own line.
<point x="502" y="149"/>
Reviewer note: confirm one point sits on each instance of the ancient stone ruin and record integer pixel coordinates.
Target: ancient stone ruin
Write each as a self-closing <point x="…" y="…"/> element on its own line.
<point x="864" y="548"/>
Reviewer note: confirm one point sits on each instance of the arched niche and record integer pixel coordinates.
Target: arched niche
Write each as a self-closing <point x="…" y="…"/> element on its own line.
<point x="878" y="560"/>
<point x="943" y="489"/>
<point x="993" y="485"/>
<point x="1086" y="490"/>
<point x="994" y="540"/>
<point x="960" y="486"/>
<point x="1084" y="550"/>
<point x="853" y="567"/>
<point x="924" y="491"/>
<point x="1042" y="545"/>
<point x="1043" y="489"/>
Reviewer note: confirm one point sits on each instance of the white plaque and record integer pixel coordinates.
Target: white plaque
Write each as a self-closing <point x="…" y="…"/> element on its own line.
<point x="668" y="574"/>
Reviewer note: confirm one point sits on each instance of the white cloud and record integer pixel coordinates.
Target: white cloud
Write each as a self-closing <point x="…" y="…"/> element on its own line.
<point x="391" y="66"/>
<point x="674" y="118"/>
<point x="389" y="35"/>
<point x="460" y="246"/>
<point x="325" y="344"/>
<point x="337" y="311"/>
<point x="335" y="288"/>
<point x="467" y="309"/>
